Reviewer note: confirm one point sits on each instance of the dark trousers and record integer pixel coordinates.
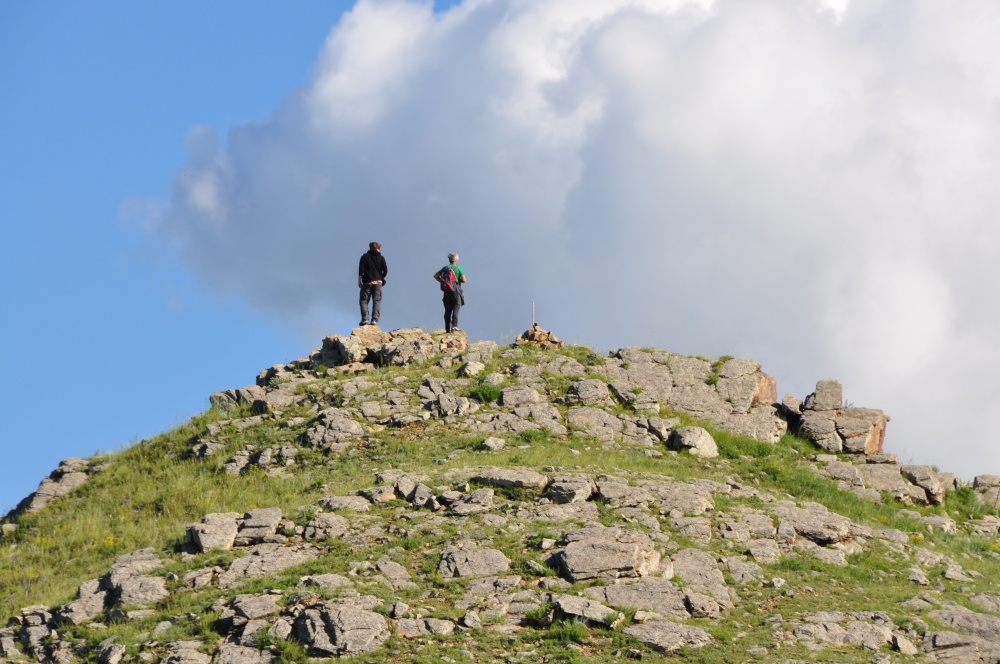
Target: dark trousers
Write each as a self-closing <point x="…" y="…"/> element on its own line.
<point x="452" y="305"/>
<point x="371" y="292"/>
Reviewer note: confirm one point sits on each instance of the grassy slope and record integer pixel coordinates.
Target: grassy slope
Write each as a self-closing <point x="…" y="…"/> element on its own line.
<point x="151" y="492"/>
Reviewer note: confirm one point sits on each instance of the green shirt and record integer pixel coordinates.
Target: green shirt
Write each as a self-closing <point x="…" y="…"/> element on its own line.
<point x="457" y="269"/>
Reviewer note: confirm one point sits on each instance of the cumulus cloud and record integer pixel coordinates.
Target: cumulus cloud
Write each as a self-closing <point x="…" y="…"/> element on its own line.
<point x="810" y="183"/>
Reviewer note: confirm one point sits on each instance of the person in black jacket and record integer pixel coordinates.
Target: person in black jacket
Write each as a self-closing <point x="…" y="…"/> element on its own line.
<point x="371" y="277"/>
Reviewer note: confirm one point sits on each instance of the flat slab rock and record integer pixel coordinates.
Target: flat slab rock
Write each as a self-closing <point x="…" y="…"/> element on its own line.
<point x="511" y="478"/>
<point x="264" y="559"/>
<point x="666" y="636"/>
<point x="332" y="629"/>
<point x="472" y="563"/>
<point x="607" y="553"/>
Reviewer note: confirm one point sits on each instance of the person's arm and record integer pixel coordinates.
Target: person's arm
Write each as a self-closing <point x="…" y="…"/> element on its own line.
<point x="361" y="269"/>
<point x="385" y="267"/>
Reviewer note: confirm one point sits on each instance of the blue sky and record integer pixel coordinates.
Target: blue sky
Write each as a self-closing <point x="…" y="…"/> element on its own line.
<point x="104" y="341"/>
<point x="185" y="188"/>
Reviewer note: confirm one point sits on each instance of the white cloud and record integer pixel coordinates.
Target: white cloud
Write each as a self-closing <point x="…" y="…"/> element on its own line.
<point x="810" y="183"/>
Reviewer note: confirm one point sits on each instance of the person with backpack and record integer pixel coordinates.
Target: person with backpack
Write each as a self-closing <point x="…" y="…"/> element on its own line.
<point x="451" y="277"/>
<point x="371" y="277"/>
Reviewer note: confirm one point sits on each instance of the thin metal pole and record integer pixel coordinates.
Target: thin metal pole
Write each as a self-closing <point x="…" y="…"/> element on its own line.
<point x="532" y="313"/>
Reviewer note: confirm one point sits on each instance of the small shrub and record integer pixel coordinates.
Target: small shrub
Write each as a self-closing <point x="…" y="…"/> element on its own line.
<point x="485" y="393"/>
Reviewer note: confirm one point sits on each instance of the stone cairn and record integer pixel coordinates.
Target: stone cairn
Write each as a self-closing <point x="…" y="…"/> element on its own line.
<point x="536" y="336"/>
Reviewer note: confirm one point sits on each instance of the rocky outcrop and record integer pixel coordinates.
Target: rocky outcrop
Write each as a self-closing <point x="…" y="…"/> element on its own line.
<point x="825" y="420"/>
<point x="71" y="474"/>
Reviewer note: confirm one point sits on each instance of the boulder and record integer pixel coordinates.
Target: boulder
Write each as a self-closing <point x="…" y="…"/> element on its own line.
<point x="512" y="478"/>
<point x="519" y="395"/>
<point x="607" y="553"/>
<point x="666" y="636"/>
<point x="472" y="562"/>
<point x="696" y="440"/>
<point x="649" y="593"/>
<point x="332" y="629"/>
<point x="829" y="395"/>
<point x="590" y="392"/>
<point x="216" y="531"/>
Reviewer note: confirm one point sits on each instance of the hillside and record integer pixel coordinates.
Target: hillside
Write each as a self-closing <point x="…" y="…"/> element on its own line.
<point x="414" y="497"/>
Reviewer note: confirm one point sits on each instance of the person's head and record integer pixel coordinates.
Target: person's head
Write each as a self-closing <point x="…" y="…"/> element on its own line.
<point x="453" y="259"/>
<point x="374" y="246"/>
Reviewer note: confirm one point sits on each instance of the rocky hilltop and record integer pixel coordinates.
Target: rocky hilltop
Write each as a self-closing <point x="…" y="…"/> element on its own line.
<point x="413" y="496"/>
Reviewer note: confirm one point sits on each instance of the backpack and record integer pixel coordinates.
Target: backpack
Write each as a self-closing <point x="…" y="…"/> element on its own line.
<point x="447" y="279"/>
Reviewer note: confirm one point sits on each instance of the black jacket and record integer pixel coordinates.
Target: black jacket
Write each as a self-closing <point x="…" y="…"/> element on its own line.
<point x="372" y="267"/>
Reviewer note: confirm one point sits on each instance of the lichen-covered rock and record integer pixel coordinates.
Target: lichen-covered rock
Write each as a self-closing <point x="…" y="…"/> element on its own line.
<point x="332" y="428"/>
<point x="332" y="629"/>
<point x="695" y="440"/>
<point x="512" y="478"/>
<point x="665" y="636"/>
<point x="216" y="531"/>
<point x="472" y="562"/>
<point x="607" y="553"/>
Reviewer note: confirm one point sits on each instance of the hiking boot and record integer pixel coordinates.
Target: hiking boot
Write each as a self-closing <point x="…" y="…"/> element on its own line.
<point x="362" y="323"/>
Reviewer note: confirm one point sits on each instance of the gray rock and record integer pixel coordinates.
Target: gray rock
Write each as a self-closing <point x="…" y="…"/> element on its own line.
<point x="471" y="369"/>
<point x="261" y="560"/>
<point x="232" y="654"/>
<point x="472" y="562"/>
<point x="141" y="590"/>
<point x="111" y="653"/>
<point x="815" y="523"/>
<point x="350" y="503"/>
<point x="331" y="629"/>
<point x="590" y="611"/>
<point x="90" y="603"/>
<point x="650" y="593"/>
<point x="512" y="397"/>
<point x="665" y="636"/>
<point x="327" y="526"/>
<point x="594" y="421"/>
<point x="862" y="430"/>
<point x="185" y="652"/>
<point x="744" y="386"/>
<point x="216" y="531"/>
<point x="493" y="444"/>
<point x="926" y="479"/>
<point x="700" y="573"/>
<point x="326" y="581"/>
<point x="607" y="553"/>
<point x="571" y="489"/>
<point x="965" y="621"/>
<point x="480" y="500"/>
<point x="225" y="400"/>
<point x="694" y="439"/>
<point x="764" y="551"/>
<point x="252" y="607"/>
<point x="829" y="395"/>
<point x="258" y="525"/>
<point x="744" y="571"/>
<point x="397" y="575"/>
<point x="589" y="392"/>
<point x="616" y="492"/>
<point x="821" y="428"/>
<point x="332" y="428"/>
<point x="512" y="478"/>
